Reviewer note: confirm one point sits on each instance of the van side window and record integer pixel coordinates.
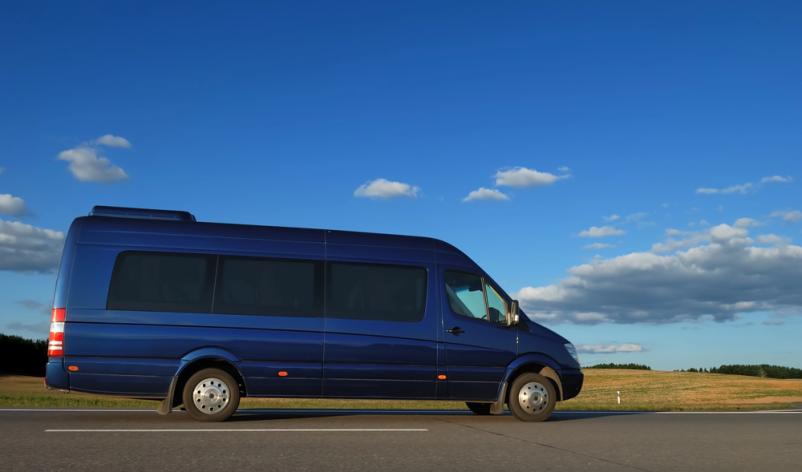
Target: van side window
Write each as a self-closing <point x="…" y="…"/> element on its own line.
<point x="465" y="294"/>
<point x="254" y="286"/>
<point x="469" y="295"/>
<point x="375" y="292"/>
<point x="496" y="306"/>
<point x="162" y="282"/>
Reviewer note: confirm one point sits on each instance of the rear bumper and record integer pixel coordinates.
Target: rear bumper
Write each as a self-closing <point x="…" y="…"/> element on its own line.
<point x="56" y="376"/>
<point x="572" y="382"/>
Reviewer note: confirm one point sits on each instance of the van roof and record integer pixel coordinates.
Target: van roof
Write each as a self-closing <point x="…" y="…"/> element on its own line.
<point x="148" y="221"/>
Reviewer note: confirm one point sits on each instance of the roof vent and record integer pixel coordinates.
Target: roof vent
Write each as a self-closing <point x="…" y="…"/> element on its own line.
<point x="141" y="213"/>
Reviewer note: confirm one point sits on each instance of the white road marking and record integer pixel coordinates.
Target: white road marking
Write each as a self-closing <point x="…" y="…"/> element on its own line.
<point x="244" y="430"/>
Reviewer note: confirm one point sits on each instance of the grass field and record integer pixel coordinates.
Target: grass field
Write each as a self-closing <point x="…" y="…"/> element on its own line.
<point x="640" y="390"/>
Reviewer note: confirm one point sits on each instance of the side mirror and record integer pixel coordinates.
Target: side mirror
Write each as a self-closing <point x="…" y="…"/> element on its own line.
<point x="513" y="317"/>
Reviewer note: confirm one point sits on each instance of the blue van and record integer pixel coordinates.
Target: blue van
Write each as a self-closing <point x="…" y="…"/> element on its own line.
<point x="152" y="304"/>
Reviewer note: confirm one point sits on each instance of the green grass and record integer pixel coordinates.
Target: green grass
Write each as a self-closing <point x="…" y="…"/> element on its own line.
<point x="640" y="390"/>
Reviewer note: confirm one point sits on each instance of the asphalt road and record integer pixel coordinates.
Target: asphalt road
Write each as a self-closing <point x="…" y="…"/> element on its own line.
<point x="332" y="440"/>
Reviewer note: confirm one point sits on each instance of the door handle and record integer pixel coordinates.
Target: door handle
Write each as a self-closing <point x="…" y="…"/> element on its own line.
<point x="456" y="330"/>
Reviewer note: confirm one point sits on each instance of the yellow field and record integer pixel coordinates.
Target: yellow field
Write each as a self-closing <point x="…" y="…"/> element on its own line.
<point x="640" y="390"/>
<point x="680" y="391"/>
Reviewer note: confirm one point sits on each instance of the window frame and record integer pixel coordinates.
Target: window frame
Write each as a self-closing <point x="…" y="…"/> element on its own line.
<point x="319" y="287"/>
<point x="485" y="284"/>
<point x="210" y="281"/>
<point x="327" y="284"/>
<point x="322" y="283"/>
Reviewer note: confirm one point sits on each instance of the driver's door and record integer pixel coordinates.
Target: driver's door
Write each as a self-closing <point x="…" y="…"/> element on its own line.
<point x="477" y="343"/>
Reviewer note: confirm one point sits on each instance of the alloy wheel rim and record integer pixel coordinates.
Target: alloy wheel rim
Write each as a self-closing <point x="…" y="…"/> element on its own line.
<point x="211" y="395"/>
<point x="533" y="397"/>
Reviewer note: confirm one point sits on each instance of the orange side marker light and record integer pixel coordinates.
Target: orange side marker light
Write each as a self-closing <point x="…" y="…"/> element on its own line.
<point x="282" y="373"/>
<point x="73" y="368"/>
<point x="441" y="377"/>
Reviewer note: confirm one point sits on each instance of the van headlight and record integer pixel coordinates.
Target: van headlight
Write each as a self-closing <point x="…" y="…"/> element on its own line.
<point x="572" y="350"/>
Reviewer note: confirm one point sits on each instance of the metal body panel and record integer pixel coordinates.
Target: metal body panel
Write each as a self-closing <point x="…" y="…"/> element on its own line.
<point x="142" y="353"/>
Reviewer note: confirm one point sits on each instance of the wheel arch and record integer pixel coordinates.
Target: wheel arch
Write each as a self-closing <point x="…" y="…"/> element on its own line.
<point x="193" y="362"/>
<point x="538" y="364"/>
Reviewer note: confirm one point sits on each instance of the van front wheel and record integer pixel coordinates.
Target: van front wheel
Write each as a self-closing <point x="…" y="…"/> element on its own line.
<point x="211" y="395"/>
<point x="532" y="397"/>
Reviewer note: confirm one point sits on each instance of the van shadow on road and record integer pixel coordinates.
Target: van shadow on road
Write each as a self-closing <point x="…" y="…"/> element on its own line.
<point x="262" y="414"/>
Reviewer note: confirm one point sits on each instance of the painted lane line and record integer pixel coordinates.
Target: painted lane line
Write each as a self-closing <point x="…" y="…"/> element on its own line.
<point x="244" y="430"/>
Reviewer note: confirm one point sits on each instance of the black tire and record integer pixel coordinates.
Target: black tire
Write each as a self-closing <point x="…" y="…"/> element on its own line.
<point x="532" y="397"/>
<point x="214" y="400"/>
<point x="480" y="409"/>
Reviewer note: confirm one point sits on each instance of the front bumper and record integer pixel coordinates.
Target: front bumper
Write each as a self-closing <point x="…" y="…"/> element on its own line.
<point x="572" y="382"/>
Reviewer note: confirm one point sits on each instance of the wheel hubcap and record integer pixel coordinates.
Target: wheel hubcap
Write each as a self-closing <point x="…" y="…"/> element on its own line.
<point x="211" y="395"/>
<point x="533" y="397"/>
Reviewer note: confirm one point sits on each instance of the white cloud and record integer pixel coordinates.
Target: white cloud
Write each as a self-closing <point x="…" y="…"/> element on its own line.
<point x="596" y="246"/>
<point x="11" y="205"/>
<point x="525" y="177"/>
<point x="87" y="165"/>
<point x="383" y="188"/>
<point x="483" y="193"/>
<point x="773" y="239"/>
<point x="636" y="216"/>
<point x="679" y="240"/>
<point x="746" y="223"/>
<point x="608" y="348"/>
<point x="26" y="248"/>
<point x="776" y="179"/>
<point x="745" y="187"/>
<point x="111" y="140"/>
<point x="740" y="188"/>
<point x="725" y="234"/>
<point x="721" y="275"/>
<point x="789" y="216"/>
<point x="601" y="232"/>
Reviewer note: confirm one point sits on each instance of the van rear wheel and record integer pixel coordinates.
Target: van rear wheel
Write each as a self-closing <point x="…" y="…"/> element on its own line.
<point x="211" y="395"/>
<point x="479" y="408"/>
<point x="532" y="397"/>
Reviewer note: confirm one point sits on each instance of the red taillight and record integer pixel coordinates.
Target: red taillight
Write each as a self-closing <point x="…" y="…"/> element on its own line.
<point x="55" y="342"/>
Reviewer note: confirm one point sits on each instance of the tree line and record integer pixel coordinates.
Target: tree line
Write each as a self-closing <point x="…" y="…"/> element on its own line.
<point x="22" y="356"/>
<point x="752" y="370"/>
<point x="621" y="366"/>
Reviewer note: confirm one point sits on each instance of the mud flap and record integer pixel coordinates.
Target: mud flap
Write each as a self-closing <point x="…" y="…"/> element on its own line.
<point x="497" y="408"/>
<point x="166" y="406"/>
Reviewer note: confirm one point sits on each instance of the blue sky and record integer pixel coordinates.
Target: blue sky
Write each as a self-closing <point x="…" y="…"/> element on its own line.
<point x="672" y="128"/>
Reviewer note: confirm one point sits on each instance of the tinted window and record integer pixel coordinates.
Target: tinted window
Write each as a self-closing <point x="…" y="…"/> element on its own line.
<point x="465" y="294"/>
<point x="268" y="287"/>
<point x="162" y="282"/>
<point x="376" y="292"/>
